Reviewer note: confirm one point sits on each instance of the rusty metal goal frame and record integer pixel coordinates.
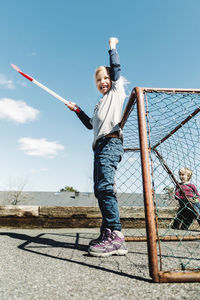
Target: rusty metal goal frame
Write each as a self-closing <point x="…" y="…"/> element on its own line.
<point x="137" y="101"/>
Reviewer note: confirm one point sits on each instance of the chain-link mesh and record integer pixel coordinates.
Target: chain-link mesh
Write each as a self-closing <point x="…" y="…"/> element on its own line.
<point x="172" y="124"/>
<point x="129" y="176"/>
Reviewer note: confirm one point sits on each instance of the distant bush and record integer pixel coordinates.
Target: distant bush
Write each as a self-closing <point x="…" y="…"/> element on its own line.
<point x="68" y="189"/>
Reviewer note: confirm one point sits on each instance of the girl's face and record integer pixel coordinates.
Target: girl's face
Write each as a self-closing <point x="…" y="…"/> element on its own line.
<point x="103" y="81"/>
<point x="184" y="177"/>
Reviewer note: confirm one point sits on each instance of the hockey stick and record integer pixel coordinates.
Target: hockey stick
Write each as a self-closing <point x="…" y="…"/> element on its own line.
<point x="43" y="87"/>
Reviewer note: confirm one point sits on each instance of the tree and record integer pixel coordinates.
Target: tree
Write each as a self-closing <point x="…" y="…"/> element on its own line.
<point x="68" y="189"/>
<point x="16" y="193"/>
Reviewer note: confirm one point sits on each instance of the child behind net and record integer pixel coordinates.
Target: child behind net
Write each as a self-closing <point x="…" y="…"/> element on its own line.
<point x="189" y="201"/>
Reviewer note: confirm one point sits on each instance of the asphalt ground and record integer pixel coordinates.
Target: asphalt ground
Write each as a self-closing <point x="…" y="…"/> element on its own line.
<point x="54" y="264"/>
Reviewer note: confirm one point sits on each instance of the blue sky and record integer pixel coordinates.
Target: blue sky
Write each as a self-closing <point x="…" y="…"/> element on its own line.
<point x="60" y="43"/>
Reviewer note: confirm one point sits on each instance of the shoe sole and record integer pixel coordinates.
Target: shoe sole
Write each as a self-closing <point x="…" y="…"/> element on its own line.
<point x="119" y="252"/>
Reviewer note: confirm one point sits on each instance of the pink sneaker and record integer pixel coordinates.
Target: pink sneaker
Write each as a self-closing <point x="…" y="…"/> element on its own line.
<point x="112" y="244"/>
<point x="101" y="237"/>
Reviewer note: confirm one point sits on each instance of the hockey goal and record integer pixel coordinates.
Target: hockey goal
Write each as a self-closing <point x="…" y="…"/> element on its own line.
<point x="161" y="136"/>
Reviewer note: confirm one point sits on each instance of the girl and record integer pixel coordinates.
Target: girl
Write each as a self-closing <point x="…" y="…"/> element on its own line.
<point x="108" y="151"/>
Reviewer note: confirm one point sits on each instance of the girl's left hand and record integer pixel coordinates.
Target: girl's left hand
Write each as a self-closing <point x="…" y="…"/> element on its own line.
<point x="72" y="106"/>
<point x="113" y="41"/>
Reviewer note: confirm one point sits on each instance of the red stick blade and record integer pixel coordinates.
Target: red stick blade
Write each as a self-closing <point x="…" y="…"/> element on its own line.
<point x="23" y="74"/>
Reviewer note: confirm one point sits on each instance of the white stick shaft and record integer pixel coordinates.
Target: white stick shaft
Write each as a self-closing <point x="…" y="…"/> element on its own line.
<point x="50" y="91"/>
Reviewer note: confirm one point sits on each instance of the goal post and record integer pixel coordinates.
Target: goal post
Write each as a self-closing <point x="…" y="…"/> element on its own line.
<point x="168" y="139"/>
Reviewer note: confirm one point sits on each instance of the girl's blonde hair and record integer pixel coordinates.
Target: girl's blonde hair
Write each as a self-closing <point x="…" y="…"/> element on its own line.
<point x="99" y="69"/>
<point x="186" y="171"/>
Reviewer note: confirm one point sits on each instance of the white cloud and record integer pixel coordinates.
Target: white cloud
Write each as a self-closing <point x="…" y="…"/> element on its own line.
<point x="17" y="111"/>
<point x="34" y="170"/>
<point x="39" y="147"/>
<point x="6" y="83"/>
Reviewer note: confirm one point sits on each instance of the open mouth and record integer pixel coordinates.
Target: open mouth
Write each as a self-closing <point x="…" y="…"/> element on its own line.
<point x="104" y="87"/>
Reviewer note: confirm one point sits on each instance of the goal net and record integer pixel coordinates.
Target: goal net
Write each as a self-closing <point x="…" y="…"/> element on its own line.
<point x="161" y="136"/>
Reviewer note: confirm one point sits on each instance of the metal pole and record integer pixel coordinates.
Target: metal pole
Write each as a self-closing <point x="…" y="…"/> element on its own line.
<point x="147" y="191"/>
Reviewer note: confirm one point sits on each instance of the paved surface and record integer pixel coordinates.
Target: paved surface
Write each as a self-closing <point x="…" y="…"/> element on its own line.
<point x="54" y="264"/>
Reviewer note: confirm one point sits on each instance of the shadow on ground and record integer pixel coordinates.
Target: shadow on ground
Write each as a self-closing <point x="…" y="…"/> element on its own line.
<point x="40" y="241"/>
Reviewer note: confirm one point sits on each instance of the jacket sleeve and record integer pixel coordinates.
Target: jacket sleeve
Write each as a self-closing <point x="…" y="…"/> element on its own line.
<point x="195" y="190"/>
<point x="84" y="119"/>
<point x="115" y="67"/>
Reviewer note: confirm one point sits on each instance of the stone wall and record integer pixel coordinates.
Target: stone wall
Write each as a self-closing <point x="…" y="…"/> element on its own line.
<point x="74" y="217"/>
